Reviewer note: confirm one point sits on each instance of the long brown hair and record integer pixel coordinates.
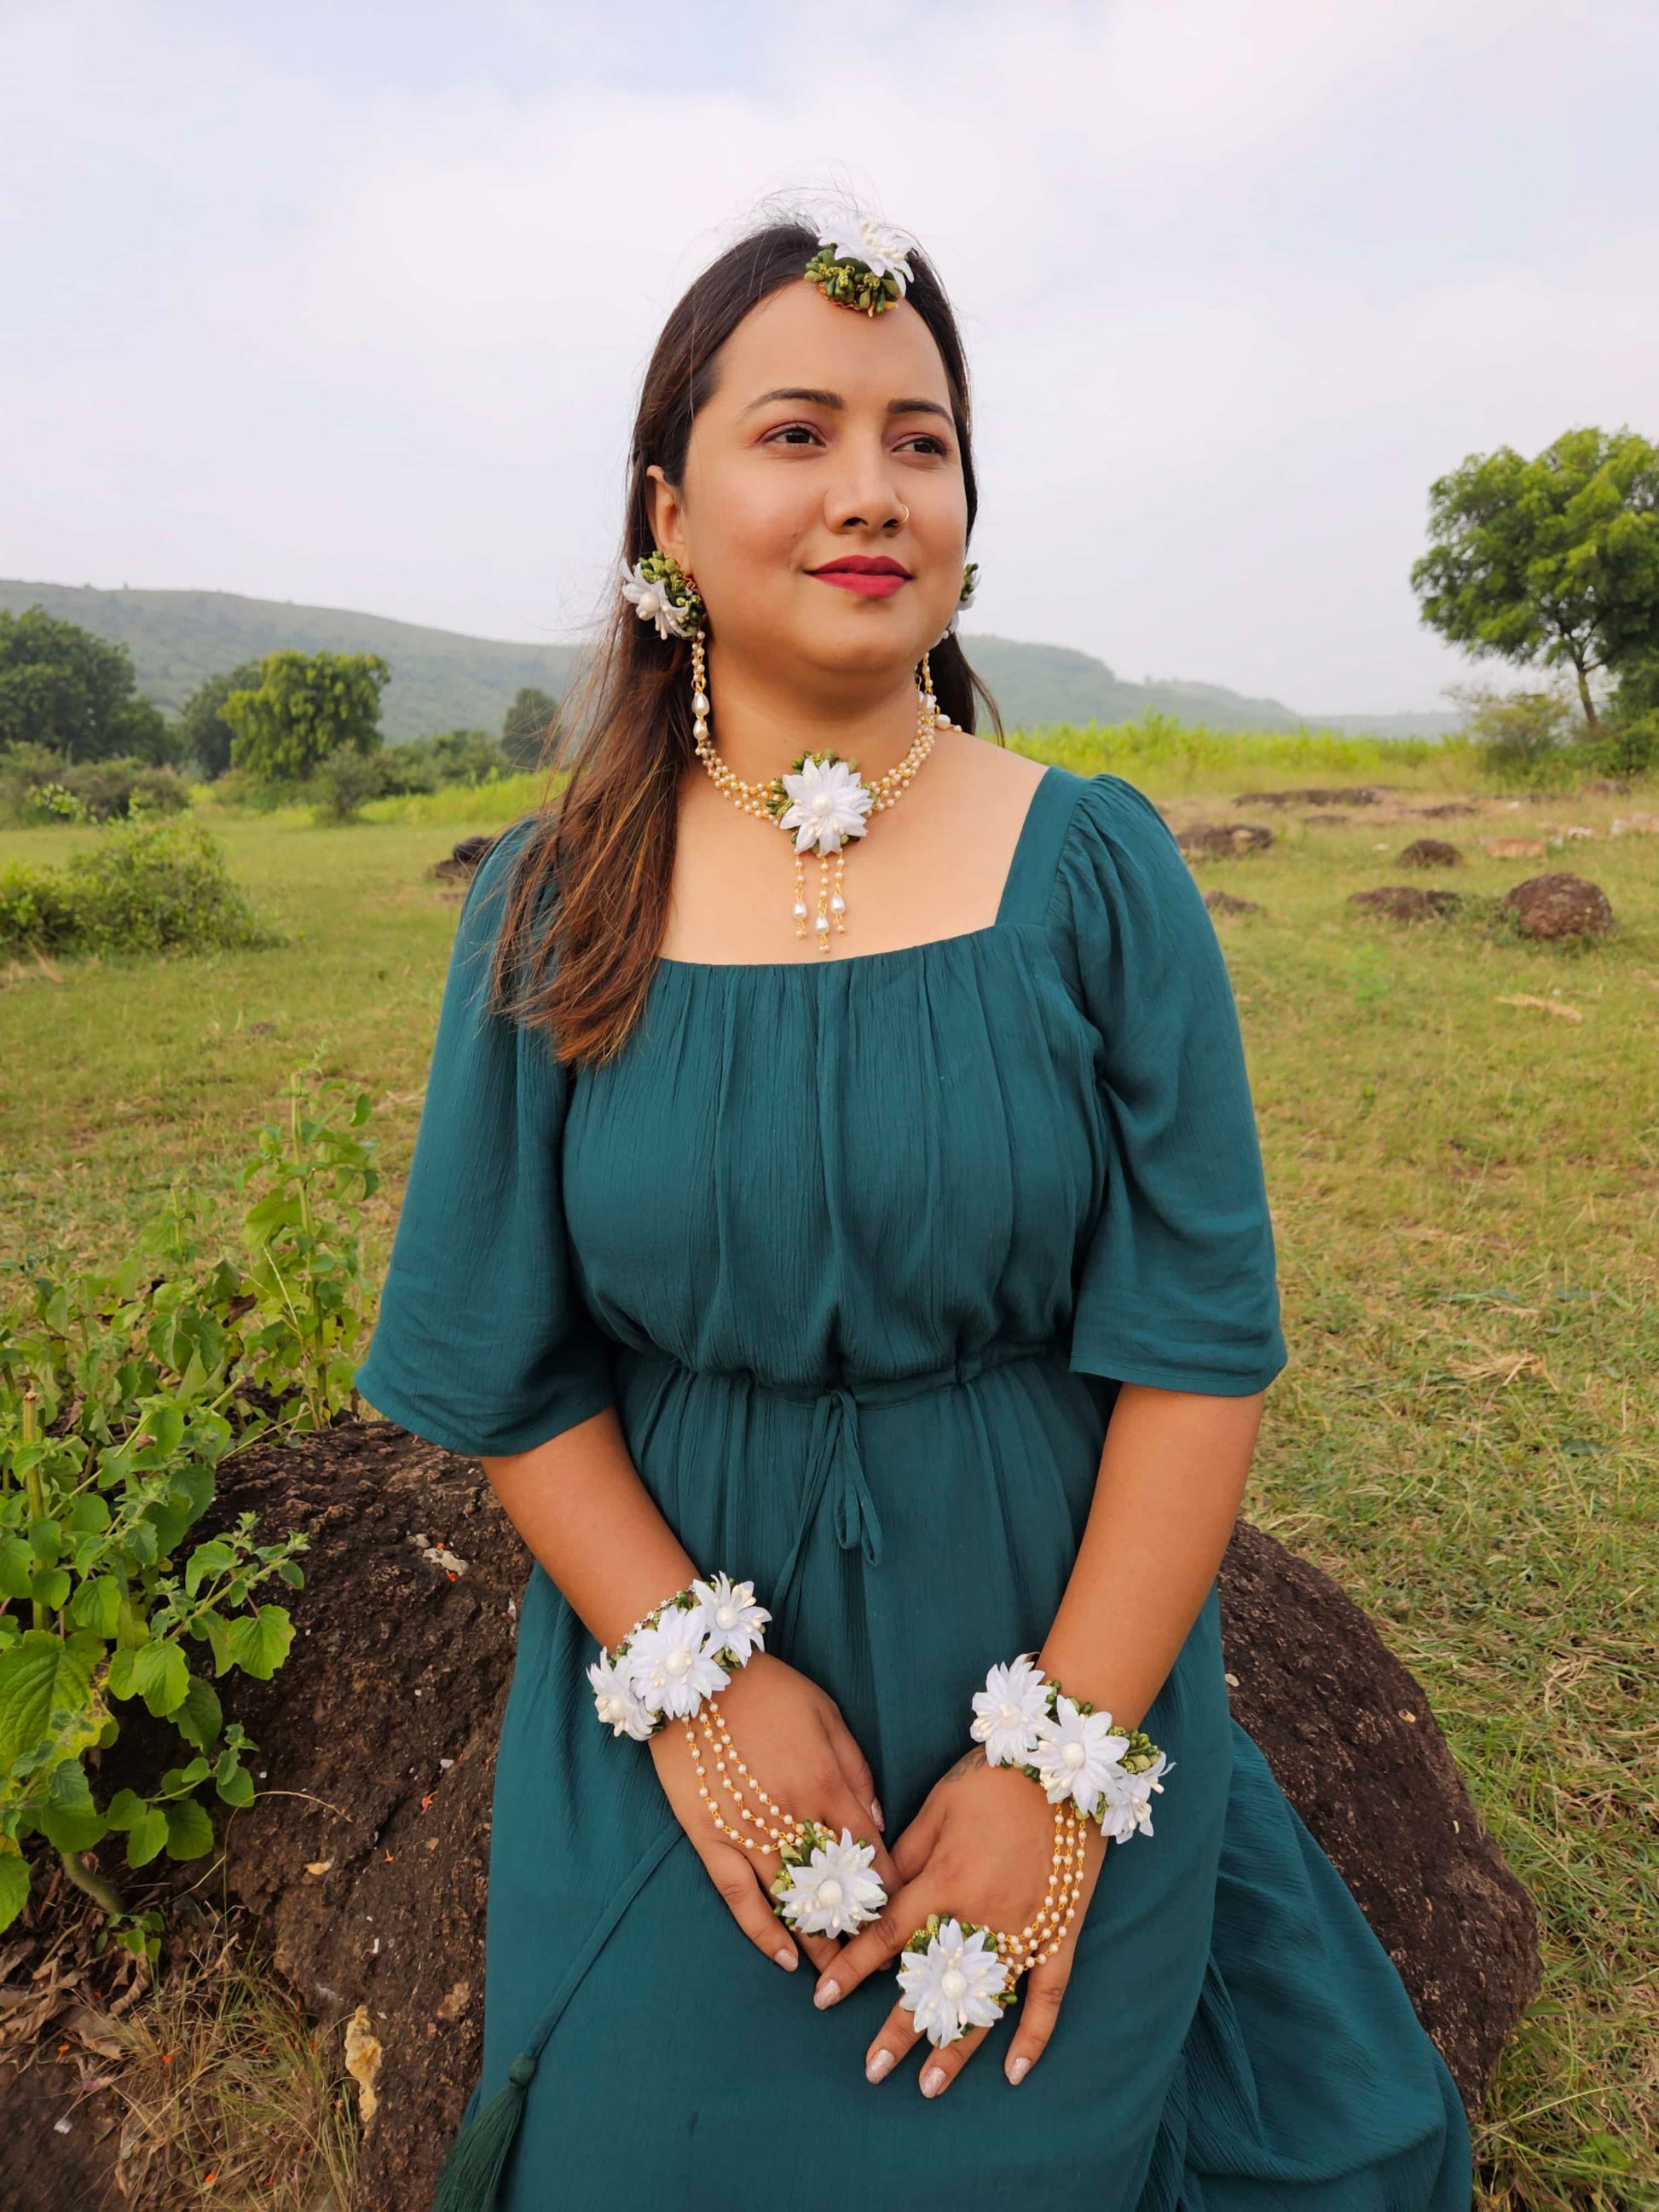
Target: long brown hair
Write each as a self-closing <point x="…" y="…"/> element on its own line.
<point x="608" y="844"/>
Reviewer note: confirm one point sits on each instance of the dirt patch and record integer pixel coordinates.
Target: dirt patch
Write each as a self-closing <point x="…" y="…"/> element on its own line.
<point x="1406" y="902"/>
<point x="1225" y="903"/>
<point x="1220" y="840"/>
<point x="1317" y="794"/>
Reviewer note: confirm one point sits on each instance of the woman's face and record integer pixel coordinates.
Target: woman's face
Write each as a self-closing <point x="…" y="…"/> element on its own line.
<point x="822" y="511"/>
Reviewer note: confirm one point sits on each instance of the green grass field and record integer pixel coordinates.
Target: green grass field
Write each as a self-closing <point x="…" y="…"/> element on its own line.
<point x="1466" y="1191"/>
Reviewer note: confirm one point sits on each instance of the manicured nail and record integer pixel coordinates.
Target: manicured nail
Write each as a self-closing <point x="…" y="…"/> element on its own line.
<point x="933" y="2080"/>
<point x="787" y="1958"/>
<point x="880" y="2066"/>
<point x="825" y="1995"/>
<point x="1017" y="2069"/>
<point x="875" y="1813"/>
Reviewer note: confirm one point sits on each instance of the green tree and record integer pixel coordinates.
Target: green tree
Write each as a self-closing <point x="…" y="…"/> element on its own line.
<point x="205" y="736"/>
<point x="530" y="724"/>
<point x="1554" y="560"/>
<point x="307" y="706"/>
<point x="65" y="689"/>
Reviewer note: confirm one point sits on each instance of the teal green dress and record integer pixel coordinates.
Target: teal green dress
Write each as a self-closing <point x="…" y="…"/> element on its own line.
<point x="859" y="1250"/>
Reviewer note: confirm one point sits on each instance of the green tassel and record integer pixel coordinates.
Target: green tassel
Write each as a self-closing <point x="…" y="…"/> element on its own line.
<point x="479" y="2154"/>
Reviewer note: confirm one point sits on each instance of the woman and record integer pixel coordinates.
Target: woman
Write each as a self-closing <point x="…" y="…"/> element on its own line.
<point x="887" y="1231"/>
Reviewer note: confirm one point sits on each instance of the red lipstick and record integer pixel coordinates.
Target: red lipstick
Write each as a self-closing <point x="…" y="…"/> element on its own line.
<point x="872" y="576"/>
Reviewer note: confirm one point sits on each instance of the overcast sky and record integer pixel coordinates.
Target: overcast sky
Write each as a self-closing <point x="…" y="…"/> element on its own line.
<point x="346" y="303"/>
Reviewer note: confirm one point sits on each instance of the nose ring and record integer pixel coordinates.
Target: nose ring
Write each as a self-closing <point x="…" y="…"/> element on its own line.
<point x="904" y="515"/>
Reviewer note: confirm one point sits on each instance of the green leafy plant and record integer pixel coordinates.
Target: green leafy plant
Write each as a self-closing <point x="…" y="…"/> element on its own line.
<point x="120" y="1396"/>
<point x="147" y="886"/>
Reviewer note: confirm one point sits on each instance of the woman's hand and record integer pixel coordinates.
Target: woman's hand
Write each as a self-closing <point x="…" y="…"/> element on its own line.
<point x="791" y="1736"/>
<point x="981" y="1850"/>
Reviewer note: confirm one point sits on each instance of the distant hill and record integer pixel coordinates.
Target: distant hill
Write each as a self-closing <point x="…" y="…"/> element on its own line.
<point x="442" y="680"/>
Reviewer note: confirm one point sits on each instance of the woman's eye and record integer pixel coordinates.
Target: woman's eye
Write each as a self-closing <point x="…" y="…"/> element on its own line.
<point x="793" y="433"/>
<point x="925" y="442"/>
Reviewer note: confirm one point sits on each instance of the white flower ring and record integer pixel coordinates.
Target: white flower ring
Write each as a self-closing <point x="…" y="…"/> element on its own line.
<point x="951" y="1979"/>
<point x="826" y="1887"/>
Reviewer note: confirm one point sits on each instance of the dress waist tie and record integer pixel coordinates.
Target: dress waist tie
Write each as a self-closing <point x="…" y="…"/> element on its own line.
<point x="834" y="1477"/>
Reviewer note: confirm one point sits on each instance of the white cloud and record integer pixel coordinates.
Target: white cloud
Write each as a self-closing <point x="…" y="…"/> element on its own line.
<point x="1239" y="279"/>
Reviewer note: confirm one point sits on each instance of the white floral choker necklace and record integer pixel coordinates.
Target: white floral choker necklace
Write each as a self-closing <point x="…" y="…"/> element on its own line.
<point x="823" y="801"/>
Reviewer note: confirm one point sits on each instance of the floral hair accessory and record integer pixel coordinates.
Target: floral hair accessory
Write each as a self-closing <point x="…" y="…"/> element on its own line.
<point x="659" y="591"/>
<point x="671" y="1662"/>
<point x="1069" y="1750"/>
<point x="952" y="1979"/>
<point x="860" y="264"/>
<point x="826" y="1887"/>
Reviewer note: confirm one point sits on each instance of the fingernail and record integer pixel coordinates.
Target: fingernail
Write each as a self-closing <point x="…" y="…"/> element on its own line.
<point x="933" y="2080"/>
<point x="825" y="1995"/>
<point x="875" y="1813"/>
<point x="786" y="1957"/>
<point x="878" y="2068"/>
<point x="1017" y="2069"/>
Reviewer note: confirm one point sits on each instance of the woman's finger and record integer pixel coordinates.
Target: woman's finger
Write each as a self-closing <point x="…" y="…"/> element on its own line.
<point x="738" y="1884"/>
<point x="1045" y="1989"/>
<point x="855" y="1767"/>
<point x="899" y="2039"/>
<point x="940" y="2068"/>
<point x="874" y="1946"/>
<point x="916" y="1845"/>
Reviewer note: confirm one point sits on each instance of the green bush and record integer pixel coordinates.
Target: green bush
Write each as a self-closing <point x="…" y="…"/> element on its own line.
<point x="144" y="887"/>
<point x="120" y="1396"/>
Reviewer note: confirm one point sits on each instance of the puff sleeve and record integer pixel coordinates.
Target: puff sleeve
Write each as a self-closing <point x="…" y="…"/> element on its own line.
<point x="483" y="1343"/>
<point x="1177" y="1287"/>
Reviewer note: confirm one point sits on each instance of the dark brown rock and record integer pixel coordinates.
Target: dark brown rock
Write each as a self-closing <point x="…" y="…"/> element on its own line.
<point x="1360" y="794"/>
<point x="1406" y="902"/>
<point x="1350" y="1740"/>
<point x="1225" y="903"/>
<point x="1430" y="852"/>
<point x="464" y="858"/>
<point x="378" y="1738"/>
<point x="1446" y="809"/>
<point x="1220" y="840"/>
<point x="1559" y="905"/>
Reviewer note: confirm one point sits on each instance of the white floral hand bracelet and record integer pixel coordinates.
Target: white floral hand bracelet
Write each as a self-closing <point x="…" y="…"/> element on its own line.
<point x="686" y="1652"/>
<point x="1025" y="1720"/>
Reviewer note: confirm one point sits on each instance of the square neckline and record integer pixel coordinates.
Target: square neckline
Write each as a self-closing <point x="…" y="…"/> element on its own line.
<point x="1020" y="865"/>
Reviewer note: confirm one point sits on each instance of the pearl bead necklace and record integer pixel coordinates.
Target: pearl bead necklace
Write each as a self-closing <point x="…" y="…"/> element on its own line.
<point x="763" y="800"/>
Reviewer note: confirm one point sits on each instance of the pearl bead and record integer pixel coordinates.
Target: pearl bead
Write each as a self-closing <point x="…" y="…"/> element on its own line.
<point x="829" y="1891"/>
<point x="1073" y="1756"/>
<point x="953" y="1984"/>
<point x="699" y="704"/>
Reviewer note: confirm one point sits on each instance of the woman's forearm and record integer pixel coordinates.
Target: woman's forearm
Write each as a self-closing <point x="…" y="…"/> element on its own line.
<point x="1172" y="1473"/>
<point x="579" y="1505"/>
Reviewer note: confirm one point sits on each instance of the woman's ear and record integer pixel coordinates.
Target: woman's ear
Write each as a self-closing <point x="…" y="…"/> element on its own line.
<point x="667" y="512"/>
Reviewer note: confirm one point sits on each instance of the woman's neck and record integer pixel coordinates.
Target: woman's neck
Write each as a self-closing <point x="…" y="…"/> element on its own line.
<point x="761" y="725"/>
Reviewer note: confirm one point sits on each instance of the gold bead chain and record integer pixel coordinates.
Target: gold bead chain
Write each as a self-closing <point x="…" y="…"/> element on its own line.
<point x="1042" y="1937"/>
<point x="781" y="1828"/>
<point x="758" y="798"/>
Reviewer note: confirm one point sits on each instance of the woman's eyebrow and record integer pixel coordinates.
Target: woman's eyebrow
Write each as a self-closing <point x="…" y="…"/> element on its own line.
<point x="833" y="400"/>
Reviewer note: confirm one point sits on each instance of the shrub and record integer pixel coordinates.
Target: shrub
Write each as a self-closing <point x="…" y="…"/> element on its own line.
<point x="1523" y="739"/>
<point x="144" y="887"/>
<point x="119" y="1396"/>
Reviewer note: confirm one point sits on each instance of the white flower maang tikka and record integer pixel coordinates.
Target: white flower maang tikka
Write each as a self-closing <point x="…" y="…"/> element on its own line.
<point x="860" y="264"/>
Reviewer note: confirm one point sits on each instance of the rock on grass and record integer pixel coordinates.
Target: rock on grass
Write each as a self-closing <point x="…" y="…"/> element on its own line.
<point x="1430" y="852"/>
<point x="1559" y="905"/>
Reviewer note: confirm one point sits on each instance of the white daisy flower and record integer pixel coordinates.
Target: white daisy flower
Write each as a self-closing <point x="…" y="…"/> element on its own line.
<point x="1007" y="1711"/>
<point x="835" y="1894"/>
<point x="730" y="1617"/>
<point x="882" y="249"/>
<point x="672" y="1666"/>
<point x="953" y="1984"/>
<point x="616" y="1700"/>
<point x="1127" y="1806"/>
<point x="648" y="597"/>
<point x="1076" y="1753"/>
<point x="831" y="803"/>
